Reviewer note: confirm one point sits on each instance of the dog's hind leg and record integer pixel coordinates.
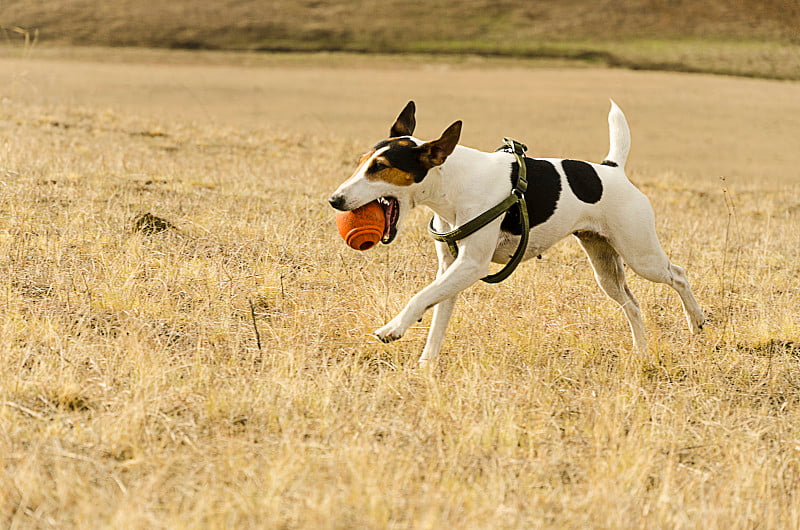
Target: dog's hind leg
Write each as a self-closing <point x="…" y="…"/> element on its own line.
<point x="694" y="314"/>
<point x="647" y="259"/>
<point x="610" y="275"/>
<point x="661" y="270"/>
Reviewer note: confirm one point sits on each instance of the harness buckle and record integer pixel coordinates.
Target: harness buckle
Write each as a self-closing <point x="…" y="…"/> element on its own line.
<point x="516" y="147"/>
<point x="522" y="179"/>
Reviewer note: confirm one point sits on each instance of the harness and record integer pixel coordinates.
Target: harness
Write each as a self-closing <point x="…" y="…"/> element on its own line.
<point x="517" y="198"/>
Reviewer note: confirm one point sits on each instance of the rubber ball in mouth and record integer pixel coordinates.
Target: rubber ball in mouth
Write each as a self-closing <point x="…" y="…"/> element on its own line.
<point x="363" y="227"/>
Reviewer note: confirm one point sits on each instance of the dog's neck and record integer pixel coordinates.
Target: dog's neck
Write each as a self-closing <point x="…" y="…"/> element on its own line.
<point x="464" y="183"/>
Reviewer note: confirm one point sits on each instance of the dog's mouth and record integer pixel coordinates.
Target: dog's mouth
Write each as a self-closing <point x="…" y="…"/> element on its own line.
<point x="391" y="213"/>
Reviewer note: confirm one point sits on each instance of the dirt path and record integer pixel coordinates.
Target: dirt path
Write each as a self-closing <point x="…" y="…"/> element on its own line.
<point x="698" y="125"/>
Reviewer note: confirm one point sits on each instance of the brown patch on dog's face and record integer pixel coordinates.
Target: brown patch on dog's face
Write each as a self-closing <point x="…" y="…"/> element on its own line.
<point x="381" y="169"/>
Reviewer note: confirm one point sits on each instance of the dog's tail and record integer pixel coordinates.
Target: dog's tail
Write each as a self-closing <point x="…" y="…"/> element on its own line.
<point x="619" y="137"/>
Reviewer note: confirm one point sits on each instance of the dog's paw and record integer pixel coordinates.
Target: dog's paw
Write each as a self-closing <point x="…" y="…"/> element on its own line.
<point x="388" y="333"/>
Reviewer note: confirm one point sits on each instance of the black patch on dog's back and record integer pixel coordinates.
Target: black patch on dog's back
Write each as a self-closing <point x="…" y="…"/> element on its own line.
<point x="544" y="189"/>
<point x="583" y="180"/>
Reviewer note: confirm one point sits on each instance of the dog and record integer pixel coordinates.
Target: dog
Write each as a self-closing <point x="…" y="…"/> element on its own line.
<point x="596" y="203"/>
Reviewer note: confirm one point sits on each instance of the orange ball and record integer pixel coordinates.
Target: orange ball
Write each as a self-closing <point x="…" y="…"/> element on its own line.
<point x="363" y="227"/>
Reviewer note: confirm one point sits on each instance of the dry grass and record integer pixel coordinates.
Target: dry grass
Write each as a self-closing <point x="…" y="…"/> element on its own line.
<point x="134" y="393"/>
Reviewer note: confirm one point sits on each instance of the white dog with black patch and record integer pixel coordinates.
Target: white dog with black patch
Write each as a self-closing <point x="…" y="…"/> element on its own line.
<point x="612" y="220"/>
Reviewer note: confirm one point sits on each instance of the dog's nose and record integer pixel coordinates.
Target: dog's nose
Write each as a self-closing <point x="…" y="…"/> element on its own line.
<point x="337" y="201"/>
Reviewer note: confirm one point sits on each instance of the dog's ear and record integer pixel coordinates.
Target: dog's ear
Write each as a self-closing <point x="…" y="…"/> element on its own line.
<point x="405" y="123"/>
<point x="435" y="152"/>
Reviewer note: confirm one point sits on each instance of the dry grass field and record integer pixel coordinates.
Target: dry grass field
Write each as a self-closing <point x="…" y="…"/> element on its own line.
<point x="217" y="371"/>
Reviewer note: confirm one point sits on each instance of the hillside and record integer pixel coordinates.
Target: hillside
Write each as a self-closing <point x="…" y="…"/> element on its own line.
<point x="747" y="37"/>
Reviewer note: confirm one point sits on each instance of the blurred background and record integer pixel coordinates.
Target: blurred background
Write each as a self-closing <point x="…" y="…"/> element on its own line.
<point x="744" y="37"/>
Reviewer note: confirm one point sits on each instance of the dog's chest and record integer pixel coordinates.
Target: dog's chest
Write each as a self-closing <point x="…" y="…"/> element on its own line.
<point x="507" y="244"/>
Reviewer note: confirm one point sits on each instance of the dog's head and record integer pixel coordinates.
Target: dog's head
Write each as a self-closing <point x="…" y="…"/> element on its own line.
<point x="393" y="169"/>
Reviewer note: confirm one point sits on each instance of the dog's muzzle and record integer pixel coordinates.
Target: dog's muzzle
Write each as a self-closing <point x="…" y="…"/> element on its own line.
<point x="337" y="201"/>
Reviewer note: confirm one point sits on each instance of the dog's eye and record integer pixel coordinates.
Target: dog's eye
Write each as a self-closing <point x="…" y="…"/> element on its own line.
<point x="378" y="166"/>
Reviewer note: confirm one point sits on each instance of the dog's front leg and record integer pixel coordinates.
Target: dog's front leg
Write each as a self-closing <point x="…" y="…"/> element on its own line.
<point x="441" y="318"/>
<point x="441" y="311"/>
<point x="471" y="265"/>
<point x="458" y="277"/>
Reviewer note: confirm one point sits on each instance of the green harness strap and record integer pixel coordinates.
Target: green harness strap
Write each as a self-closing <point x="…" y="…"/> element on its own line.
<point x="517" y="198"/>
